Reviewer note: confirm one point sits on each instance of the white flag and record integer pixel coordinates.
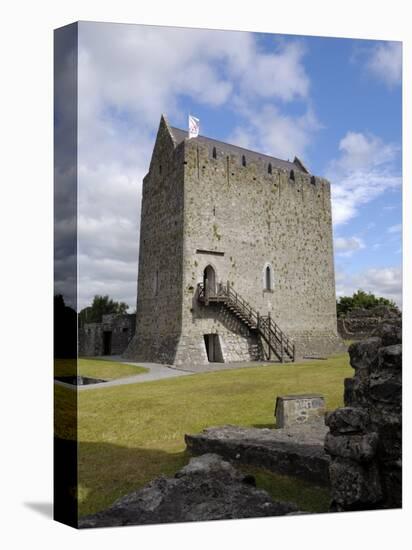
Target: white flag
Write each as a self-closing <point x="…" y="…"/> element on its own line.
<point x="193" y="126"/>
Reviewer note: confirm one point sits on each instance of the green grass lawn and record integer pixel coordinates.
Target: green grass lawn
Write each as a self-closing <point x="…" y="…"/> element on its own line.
<point x="96" y="368"/>
<point x="131" y="434"/>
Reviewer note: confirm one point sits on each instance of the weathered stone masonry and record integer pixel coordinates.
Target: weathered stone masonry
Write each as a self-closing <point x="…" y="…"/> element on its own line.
<point x="261" y="223"/>
<point x="110" y="337"/>
<point x="360" y="323"/>
<point x="365" y="438"/>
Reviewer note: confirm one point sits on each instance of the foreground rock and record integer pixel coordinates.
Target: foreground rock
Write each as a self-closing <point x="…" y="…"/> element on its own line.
<point x="208" y="488"/>
<point x="297" y="451"/>
<point x="365" y="438"/>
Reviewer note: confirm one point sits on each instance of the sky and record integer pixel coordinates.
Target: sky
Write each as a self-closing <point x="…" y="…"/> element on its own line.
<point x="335" y="103"/>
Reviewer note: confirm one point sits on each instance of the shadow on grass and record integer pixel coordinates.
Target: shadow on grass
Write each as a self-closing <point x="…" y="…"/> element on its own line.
<point x="90" y="476"/>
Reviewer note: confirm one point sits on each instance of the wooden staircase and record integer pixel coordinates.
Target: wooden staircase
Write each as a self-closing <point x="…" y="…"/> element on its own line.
<point x="276" y="340"/>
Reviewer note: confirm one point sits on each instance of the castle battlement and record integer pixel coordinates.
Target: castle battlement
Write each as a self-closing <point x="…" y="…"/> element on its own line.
<point x="208" y="156"/>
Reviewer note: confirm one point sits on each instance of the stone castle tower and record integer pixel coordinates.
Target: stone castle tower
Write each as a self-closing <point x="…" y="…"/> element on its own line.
<point x="236" y="256"/>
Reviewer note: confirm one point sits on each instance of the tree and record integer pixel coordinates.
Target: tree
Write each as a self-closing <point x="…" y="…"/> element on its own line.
<point x="361" y="299"/>
<point x="101" y="305"/>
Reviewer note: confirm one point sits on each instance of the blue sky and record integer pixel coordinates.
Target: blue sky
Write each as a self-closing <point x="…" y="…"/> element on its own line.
<point x="336" y="103"/>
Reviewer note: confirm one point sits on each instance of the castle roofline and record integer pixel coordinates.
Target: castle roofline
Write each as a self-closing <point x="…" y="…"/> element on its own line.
<point x="179" y="135"/>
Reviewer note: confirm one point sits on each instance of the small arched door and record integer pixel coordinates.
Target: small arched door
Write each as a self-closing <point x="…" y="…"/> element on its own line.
<point x="209" y="275"/>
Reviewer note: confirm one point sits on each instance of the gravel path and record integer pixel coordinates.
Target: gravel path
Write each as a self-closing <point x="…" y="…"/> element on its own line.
<point x="158" y="371"/>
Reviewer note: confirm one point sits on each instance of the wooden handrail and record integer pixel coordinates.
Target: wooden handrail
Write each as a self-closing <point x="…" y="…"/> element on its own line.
<point x="277" y="340"/>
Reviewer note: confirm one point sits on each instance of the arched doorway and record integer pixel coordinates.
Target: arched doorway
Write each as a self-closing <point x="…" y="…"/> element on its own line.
<point x="209" y="275"/>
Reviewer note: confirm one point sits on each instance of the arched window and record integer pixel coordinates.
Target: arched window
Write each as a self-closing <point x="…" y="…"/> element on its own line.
<point x="292" y="175"/>
<point x="243" y="160"/>
<point x="214" y="154"/>
<point x="269" y="168"/>
<point x="268" y="278"/>
<point x="209" y="279"/>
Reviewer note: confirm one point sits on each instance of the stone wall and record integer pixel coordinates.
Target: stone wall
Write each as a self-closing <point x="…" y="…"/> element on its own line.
<point x="247" y="219"/>
<point x="121" y="329"/>
<point x="365" y="438"/>
<point x="360" y="323"/>
<point x="159" y="292"/>
<point x="90" y="338"/>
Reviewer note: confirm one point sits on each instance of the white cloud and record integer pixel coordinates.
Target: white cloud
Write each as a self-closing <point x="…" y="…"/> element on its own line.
<point x="275" y="133"/>
<point x="128" y="76"/>
<point x="144" y="69"/>
<point x="346" y="246"/>
<point x="363" y="171"/>
<point x="395" y="228"/>
<point x="385" y="62"/>
<point x="386" y="282"/>
<point x="279" y="74"/>
<point x="360" y="152"/>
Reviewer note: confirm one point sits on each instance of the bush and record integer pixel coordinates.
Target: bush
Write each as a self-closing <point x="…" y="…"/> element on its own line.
<point x="361" y="299"/>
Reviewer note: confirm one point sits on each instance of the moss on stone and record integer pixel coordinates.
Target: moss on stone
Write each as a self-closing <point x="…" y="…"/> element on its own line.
<point x="216" y="234"/>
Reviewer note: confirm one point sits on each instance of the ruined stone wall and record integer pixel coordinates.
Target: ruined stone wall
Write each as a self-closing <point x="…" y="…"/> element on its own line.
<point x="121" y="327"/>
<point x="159" y="294"/>
<point x="90" y="340"/>
<point x="365" y="438"/>
<point x="360" y="323"/>
<point x="248" y="218"/>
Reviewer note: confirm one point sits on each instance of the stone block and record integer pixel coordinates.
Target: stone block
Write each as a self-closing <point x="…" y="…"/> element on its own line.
<point x="390" y="357"/>
<point x="391" y="476"/>
<point x="348" y="420"/>
<point x="363" y="355"/>
<point x="291" y="410"/>
<point x="390" y="333"/>
<point x="361" y="448"/>
<point x="356" y="392"/>
<point x="354" y="486"/>
<point x="386" y="387"/>
<point x="386" y="416"/>
<point x="297" y="451"/>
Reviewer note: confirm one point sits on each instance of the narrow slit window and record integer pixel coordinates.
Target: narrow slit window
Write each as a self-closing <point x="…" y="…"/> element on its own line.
<point x="156" y="283"/>
<point x="214" y="154"/>
<point x="268" y="278"/>
<point x="243" y="160"/>
<point x="292" y="175"/>
<point x="269" y="168"/>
